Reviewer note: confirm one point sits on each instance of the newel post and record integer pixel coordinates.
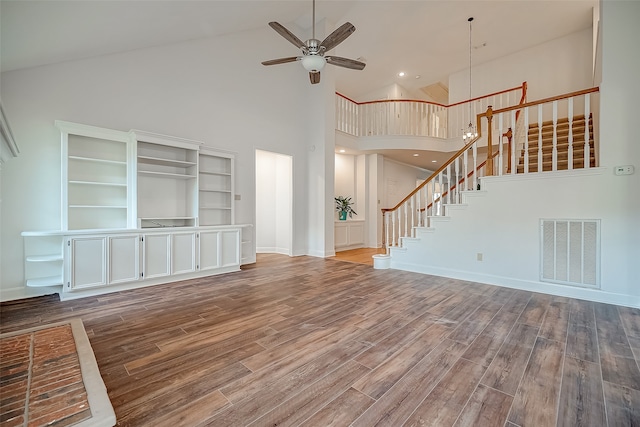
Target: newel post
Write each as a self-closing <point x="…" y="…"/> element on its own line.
<point x="489" y="168"/>
<point x="509" y="136"/>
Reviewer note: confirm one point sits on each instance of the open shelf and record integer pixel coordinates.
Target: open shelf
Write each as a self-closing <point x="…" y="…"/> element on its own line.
<point x="203" y="172"/>
<point x="97" y="160"/>
<point x="106" y="184"/>
<point x="165" y="162"/>
<point x="166" y="175"/>
<point x="42" y="282"/>
<point x="44" y="258"/>
<point x="208" y="190"/>
<point x="165" y="222"/>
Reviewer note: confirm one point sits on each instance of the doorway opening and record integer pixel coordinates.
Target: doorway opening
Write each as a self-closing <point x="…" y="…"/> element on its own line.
<point x="274" y="203"/>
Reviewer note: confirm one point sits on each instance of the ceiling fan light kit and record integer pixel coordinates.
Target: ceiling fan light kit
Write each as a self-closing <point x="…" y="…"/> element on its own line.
<point x="313" y="50"/>
<point x="313" y="63"/>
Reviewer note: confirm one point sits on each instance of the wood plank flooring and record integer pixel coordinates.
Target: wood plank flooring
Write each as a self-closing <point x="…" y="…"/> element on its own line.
<point x="319" y="342"/>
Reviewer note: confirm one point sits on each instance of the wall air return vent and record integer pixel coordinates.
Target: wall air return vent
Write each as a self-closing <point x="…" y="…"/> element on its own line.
<point x="570" y="252"/>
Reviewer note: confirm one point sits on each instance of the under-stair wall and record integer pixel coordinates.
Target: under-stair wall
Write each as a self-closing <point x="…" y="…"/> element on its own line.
<point x="494" y="236"/>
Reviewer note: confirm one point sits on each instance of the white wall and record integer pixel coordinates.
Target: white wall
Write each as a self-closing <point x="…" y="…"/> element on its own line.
<point x="503" y="226"/>
<point x="399" y="180"/>
<point x="559" y="66"/>
<point x="212" y="90"/>
<point x="345" y="181"/>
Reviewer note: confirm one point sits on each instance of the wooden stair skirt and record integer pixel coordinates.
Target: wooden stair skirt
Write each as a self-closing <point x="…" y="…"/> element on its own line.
<point x="562" y="145"/>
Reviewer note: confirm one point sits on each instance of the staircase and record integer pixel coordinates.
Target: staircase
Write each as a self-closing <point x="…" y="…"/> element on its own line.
<point x="577" y="127"/>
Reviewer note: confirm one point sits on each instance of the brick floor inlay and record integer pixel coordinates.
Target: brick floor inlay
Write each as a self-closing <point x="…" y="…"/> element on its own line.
<point x="41" y="381"/>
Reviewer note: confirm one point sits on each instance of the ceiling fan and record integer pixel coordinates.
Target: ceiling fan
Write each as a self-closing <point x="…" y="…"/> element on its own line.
<point x="313" y="50"/>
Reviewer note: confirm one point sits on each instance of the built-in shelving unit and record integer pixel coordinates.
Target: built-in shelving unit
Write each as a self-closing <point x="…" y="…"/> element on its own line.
<point x="95" y="177"/>
<point x="215" y="187"/>
<point x="134" y="207"/>
<point x="167" y="181"/>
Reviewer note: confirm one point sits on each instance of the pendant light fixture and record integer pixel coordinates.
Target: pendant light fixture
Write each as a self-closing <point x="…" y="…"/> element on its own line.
<point x="471" y="131"/>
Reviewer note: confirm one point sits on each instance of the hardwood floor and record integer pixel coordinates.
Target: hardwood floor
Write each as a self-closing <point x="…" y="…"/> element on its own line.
<point x="318" y="342"/>
<point x="359" y="256"/>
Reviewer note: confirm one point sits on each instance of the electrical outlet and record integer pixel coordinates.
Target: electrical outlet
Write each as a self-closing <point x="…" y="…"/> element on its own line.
<point x="623" y="170"/>
<point x="237" y="197"/>
<point x="479" y="256"/>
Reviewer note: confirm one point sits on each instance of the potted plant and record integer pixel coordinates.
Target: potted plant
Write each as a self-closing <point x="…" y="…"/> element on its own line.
<point x="343" y="205"/>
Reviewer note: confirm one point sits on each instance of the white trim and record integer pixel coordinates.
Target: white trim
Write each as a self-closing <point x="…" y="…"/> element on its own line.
<point x="526" y="285"/>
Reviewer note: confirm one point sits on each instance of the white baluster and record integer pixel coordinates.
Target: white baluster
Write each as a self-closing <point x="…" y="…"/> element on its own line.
<point x="466" y="170"/>
<point x="394" y="214"/>
<point x="475" y="166"/>
<point x="457" y="180"/>
<point x="406" y="219"/>
<point x="413" y="214"/>
<point x="418" y="208"/>
<point x="570" y="137"/>
<point x="539" y="137"/>
<point x="500" y="149"/>
<point x="387" y="220"/>
<point x="440" y="205"/>
<point x="554" y="159"/>
<point x="514" y="143"/>
<point x="526" y="140"/>
<point x="587" y="131"/>
<point x="448" y="183"/>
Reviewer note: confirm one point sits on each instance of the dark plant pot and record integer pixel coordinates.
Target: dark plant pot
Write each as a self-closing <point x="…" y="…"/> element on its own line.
<point x="343" y="215"/>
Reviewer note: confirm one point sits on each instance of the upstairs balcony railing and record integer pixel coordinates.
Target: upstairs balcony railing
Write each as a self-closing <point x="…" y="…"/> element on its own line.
<point x="407" y="117"/>
<point x="549" y="135"/>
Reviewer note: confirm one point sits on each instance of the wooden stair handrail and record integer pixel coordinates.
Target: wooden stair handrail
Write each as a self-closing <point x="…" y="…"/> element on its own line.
<point x="523" y="86"/>
<point x="544" y="101"/>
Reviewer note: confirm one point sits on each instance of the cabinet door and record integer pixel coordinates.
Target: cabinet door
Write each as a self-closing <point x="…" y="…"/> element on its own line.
<point x="183" y="253"/>
<point x="124" y="258"/>
<point x="209" y="250"/>
<point x="88" y="262"/>
<point x="230" y="248"/>
<point x="156" y="255"/>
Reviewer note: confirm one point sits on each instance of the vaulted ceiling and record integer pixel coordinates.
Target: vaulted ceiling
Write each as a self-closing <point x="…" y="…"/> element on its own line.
<point x="427" y="38"/>
<point x="422" y="38"/>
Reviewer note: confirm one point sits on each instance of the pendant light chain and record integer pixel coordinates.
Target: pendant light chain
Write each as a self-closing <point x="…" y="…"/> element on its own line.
<point x="470" y="20"/>
<point x="470" y="132"/>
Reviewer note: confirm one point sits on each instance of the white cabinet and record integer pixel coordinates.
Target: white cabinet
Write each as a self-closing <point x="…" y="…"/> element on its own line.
<point x="96" y="177"/>
<point x="138" y="208"/>
<point x="349" y="234"/>
<point x="124" y="258"/>
<point x="183" y="252"/>
<point x="87" y="266"/>
<point x="209" y="250"/>
<point x="229" y="248"/>
<point x="156" y="255"/>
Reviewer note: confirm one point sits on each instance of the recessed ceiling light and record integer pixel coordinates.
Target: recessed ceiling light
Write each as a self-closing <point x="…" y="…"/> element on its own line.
<point x="418" y="76"/>
<point x="342" y="151"/>
<point x="416" y="155"/>
<point x="401" y="74"/>
<point x="434" y="161"/>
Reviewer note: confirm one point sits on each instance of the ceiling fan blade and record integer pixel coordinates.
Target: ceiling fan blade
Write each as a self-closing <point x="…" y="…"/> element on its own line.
<point x="286" y="34"/>
<point x="280" y="60"/>
<point x="345" y="62"/>
<point x="314" y="77"/>
<point x="338" y="36"/>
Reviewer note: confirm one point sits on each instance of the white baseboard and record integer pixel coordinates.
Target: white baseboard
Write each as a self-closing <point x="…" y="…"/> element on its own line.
<point x="23" y="292"/>
<point x="594" y="295"/>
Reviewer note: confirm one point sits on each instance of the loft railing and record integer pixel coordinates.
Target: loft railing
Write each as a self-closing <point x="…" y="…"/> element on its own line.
<point x="555" y="134"/>
<point x="415" y="117"/>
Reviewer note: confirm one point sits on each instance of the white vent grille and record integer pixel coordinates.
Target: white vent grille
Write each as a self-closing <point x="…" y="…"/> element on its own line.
<point x="570" y="252"/>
